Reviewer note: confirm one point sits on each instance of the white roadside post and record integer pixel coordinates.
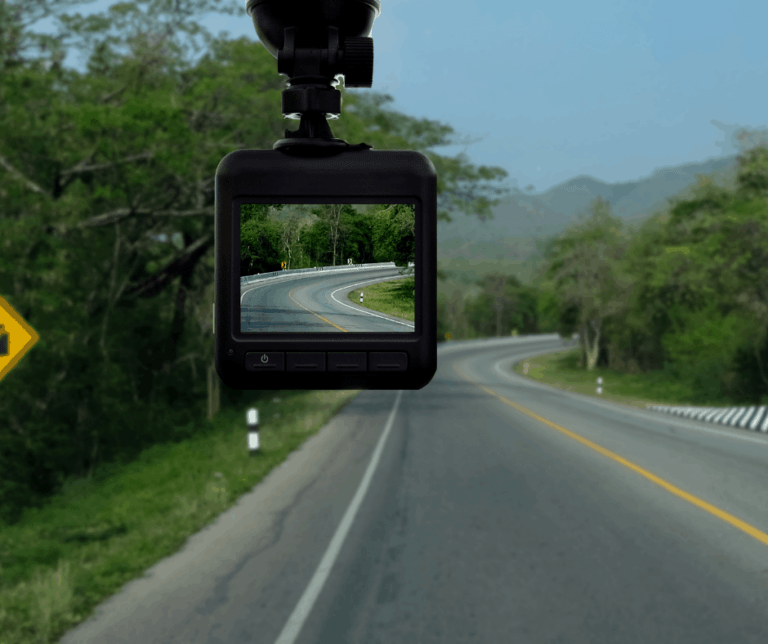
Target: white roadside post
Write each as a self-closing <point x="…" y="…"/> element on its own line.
<point x="361" y="297"/>
<point x="599" y="386"/>
<point x="252" y="418"/>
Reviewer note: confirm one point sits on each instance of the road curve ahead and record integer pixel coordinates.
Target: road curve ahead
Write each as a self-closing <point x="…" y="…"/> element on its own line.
<point x="481" y="508"/>
<point x="316" y="302"/>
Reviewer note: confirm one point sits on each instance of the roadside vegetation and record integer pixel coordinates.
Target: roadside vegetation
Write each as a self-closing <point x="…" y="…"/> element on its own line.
<point x="561" y="369"/>
<point x="60" y="561"/>
<point x="305" y="235"/>
<point x="394" y="297"/>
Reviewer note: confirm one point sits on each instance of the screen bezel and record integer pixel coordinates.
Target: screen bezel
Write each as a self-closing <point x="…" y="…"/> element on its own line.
<point x="330" y="336"/>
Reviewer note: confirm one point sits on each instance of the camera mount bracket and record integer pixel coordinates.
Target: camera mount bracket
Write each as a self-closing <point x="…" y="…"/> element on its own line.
<point x="315" y="42"/>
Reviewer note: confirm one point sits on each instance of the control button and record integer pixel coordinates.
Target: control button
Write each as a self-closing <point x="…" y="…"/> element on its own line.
<point x="346" y="361"/>
<point x="305" y="361"/>
<point x="265" y="361"/>
<point x="391" y="361"/>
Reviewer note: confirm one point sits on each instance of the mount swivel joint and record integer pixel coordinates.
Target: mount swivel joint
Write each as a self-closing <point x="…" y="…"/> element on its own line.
<point x="315" y="42"/>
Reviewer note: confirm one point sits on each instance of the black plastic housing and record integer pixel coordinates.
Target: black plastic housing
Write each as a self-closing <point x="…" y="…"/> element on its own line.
<point x="351" y="176"/>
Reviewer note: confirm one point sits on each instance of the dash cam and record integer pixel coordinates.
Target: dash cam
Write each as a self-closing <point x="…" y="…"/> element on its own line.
<point x="325" y="251"/>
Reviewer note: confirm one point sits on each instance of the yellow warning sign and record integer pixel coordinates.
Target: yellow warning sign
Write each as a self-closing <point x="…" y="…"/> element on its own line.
<point x="283" y="265"/>
<point x="16" y="337"/>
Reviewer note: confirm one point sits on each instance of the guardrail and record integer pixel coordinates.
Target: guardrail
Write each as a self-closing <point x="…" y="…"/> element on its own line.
<point x="756" y="417"/>
<point x="250" y="279"/>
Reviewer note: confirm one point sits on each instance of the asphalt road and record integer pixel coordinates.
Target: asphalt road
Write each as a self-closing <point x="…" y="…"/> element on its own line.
<point x="316" y="302"/>
<point x="482" y="508"/>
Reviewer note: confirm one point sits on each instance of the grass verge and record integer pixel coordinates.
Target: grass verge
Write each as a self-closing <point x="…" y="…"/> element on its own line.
<point x="638" y="390"/>
<point x="396" y="297"/>
<point x="60" y="561"/>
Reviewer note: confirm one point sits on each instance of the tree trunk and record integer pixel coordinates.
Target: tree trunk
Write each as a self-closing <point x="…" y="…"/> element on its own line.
<point x="214" y="391"/>
<point x="594" y="350"/>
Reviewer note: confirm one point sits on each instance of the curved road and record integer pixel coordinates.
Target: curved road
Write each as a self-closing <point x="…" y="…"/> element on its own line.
<point x="316" y="302"/>
<point x="482" y="508"/>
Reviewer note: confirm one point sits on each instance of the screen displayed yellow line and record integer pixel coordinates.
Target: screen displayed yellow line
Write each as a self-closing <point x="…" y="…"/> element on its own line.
<point x="700" y="503"/>
<point x="315" y="314"/>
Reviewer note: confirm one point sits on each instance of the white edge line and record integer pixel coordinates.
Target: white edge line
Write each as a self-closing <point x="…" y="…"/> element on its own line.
<point x="631" y="412"/>
<point x="299" y="615"/>
<point x="383" y="317"/>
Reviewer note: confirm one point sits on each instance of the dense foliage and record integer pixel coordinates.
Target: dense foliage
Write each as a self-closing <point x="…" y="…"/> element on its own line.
<point x="106" y="224"/>
<point x="302" y="236"/>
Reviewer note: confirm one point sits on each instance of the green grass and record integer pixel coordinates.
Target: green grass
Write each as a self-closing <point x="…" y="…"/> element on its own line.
<point x="560" y="370"/>
<point x="393" y="298"/>
<point x="60" y="561"/>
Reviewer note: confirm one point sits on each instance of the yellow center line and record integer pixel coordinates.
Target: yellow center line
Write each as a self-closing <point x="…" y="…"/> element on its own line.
<point x="752" y="531"/>
<point x="315" y="314"/>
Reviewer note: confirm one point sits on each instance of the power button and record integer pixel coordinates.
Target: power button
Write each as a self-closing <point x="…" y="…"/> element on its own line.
<point x="265" y="361"/>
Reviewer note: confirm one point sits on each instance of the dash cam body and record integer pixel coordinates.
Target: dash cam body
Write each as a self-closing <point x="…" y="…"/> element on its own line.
<point x="291" y="311"/>
<point x="298" y="328"/>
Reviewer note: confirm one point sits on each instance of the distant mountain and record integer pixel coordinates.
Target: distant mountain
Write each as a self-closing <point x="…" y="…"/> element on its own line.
<point x="635" y="198"/>
<point x="508" y="242"/>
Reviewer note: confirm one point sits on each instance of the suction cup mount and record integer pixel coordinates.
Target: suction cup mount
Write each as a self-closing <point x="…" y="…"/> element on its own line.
<point x="315" y="42"/>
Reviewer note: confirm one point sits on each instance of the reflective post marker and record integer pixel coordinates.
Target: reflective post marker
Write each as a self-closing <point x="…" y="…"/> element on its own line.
<point x="361" y="297"/>
<point x="599" y="383"/>
<point x="252" y="418"/>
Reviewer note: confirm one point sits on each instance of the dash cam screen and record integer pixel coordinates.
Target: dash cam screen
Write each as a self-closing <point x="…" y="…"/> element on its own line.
<point x="327" y="268"/>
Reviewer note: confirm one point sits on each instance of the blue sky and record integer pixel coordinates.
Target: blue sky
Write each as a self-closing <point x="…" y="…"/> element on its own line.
<point x="553" y="89"/>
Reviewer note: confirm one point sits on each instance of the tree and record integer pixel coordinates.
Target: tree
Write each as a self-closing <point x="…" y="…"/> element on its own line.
<point x="708" y="266"/>
<point x="394" y="234"/>
<point x="106" y="222"/>
<point x="331" y="214"/>
<point x="358" y="236"/>
<point x="72" y="149"/>
<point x="502" y="307"/>
<point x="585" y="268"/>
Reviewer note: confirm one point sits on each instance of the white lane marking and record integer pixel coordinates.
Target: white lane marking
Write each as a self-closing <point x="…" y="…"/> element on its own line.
<point x="368" y="312"/>
<point x="639" y="414"/>
<point x="299" y="615"/>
